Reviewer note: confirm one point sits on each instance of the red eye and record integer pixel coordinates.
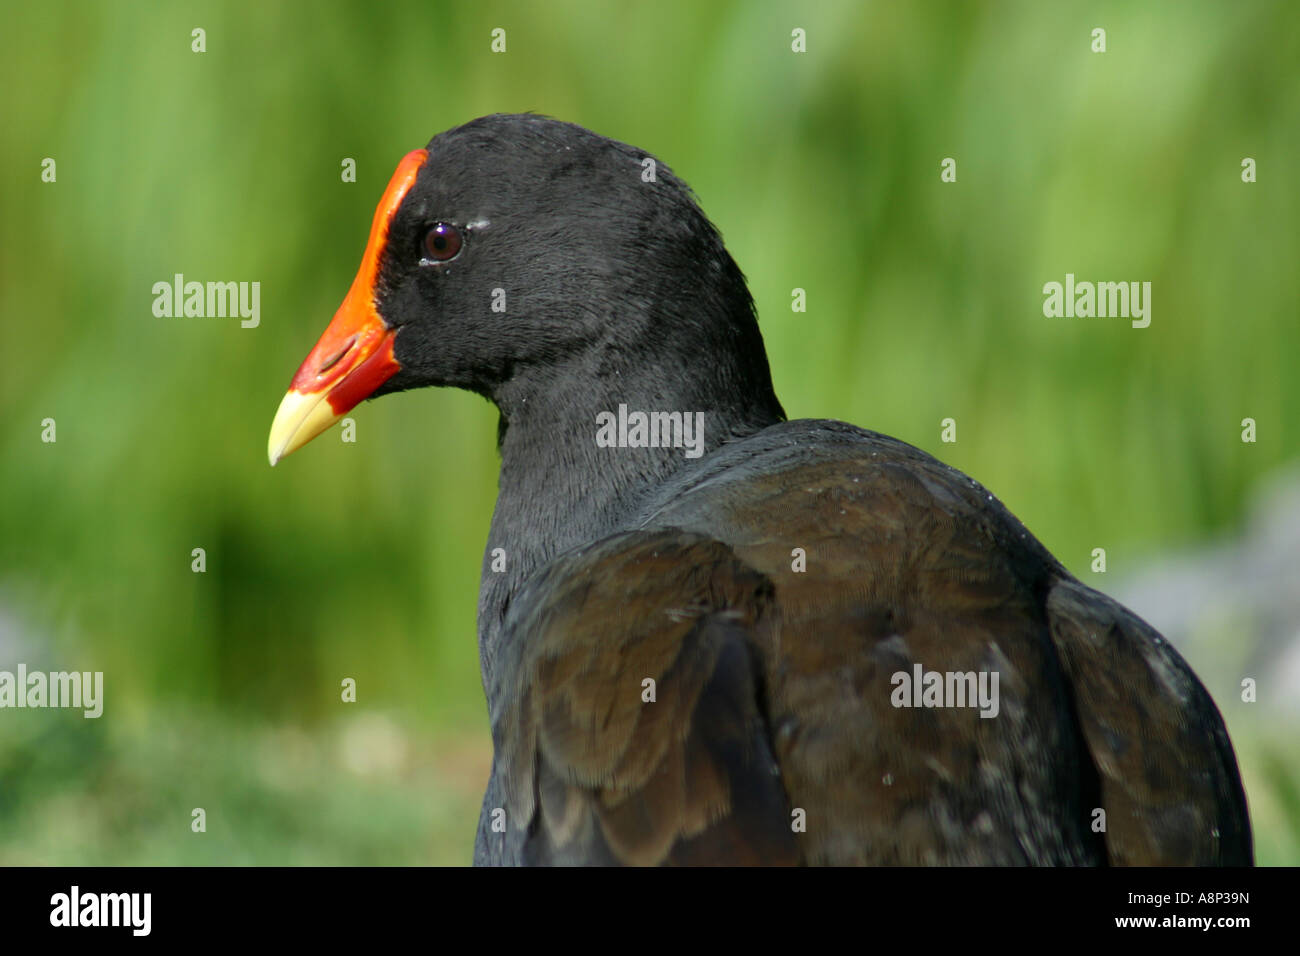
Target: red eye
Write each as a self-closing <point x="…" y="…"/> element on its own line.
<point x="442" y="242"/>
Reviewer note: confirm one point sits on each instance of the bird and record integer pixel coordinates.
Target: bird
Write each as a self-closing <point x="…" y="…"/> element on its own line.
<point x="713" y="635"/>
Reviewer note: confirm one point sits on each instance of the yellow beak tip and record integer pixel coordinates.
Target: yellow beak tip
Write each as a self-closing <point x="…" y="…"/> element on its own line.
<point x="299" y="419"/>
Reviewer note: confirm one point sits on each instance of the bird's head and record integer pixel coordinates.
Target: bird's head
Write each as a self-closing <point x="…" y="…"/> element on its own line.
<point x="506" y="250"/>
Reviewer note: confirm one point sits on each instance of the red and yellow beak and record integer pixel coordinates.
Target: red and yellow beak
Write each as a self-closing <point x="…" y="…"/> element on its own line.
<point x="355" y="355"/>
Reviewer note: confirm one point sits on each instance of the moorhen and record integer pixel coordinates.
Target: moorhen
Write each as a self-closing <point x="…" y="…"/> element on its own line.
<point x="712" y="635"/>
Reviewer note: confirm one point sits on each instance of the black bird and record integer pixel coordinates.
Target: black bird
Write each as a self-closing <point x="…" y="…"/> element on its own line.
<point x="708" y="633"/>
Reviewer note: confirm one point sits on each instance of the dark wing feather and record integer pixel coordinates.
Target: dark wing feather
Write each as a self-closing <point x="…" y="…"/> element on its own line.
<point x="909" y="561"/>
<point x="596" y="773"/>
<point x="1169" y="780"/>
<point x="760" y="664"/>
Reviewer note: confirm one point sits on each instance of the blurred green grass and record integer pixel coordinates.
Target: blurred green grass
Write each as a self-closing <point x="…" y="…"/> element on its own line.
<point x="822" y="171"/>
<point x="355" y="791"/>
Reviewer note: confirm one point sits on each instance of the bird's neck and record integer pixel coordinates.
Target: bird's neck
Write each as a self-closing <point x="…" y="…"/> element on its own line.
<point x="578" y="457"/>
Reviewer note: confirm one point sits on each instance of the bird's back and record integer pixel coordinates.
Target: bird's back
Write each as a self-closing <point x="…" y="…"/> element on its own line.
<point x="825" y="646"/>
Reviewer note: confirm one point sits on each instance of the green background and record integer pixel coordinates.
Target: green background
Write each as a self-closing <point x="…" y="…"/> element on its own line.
<point x="362" y="560"/>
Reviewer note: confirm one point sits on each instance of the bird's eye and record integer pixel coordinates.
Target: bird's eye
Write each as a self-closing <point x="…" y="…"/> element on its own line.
<point x="442" y="242"/>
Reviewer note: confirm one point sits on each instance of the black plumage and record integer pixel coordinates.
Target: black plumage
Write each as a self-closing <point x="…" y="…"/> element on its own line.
<point x="772" y="684"/>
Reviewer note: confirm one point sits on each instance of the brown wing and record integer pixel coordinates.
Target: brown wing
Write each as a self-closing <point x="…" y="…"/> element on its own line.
<point x="1169" y="780"/>
<point x="763" y="660"/>
<point x="903" y="568"/>
<point x="601" y="773"/>
<point x="909" y="562"/>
